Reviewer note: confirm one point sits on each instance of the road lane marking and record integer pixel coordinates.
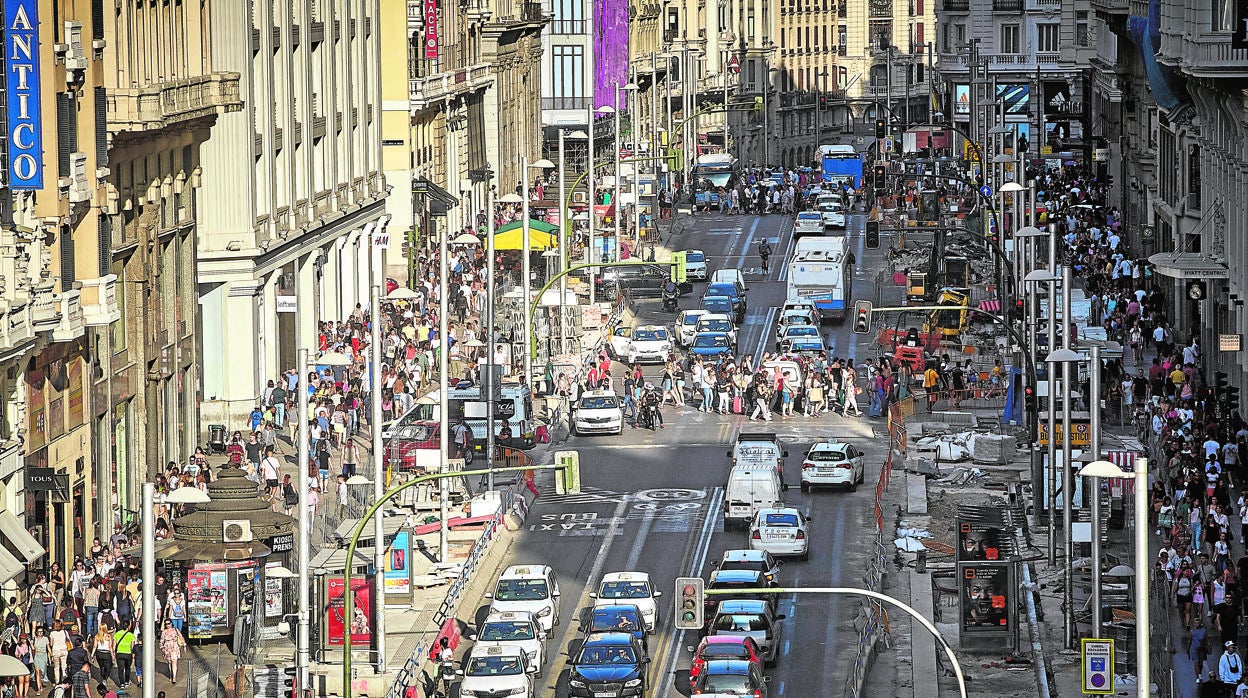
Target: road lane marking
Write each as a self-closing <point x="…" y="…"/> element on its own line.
<point x="740" y="257"/>
<point x="762" y="338"/>
<point x="639" y="542"/>
<point x="696" y="568"/>
<point x="788" y="253"/>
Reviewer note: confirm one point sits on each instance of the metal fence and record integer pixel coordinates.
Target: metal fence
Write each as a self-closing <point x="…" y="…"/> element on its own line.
<point x="871" y="623"/>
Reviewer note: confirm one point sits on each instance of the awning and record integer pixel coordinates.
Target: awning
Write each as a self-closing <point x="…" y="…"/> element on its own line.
<point x="1188" y="265"/>
<point x="19" y="538"/>
<point x="9" y="566"/>
<point x="438" y="199"/>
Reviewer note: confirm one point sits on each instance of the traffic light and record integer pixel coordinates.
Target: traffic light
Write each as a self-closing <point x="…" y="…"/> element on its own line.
<point x="290" y="686"/>
<point x="1230" y="396"/>
<point x="1029" y="400"/>
<point x="823" y="102"/>
<point x="881" y="178"/>
<point x="568" y="479"/>
<point x="862" y="317"/>
<point x="879" y="128"/>
<point x="689" y="599"/>
<point x="873" y="235"/>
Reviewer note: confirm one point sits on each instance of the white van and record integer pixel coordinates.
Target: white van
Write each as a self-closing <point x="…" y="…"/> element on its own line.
<point x="730" y="276"/>
<point x="750" y="488"/>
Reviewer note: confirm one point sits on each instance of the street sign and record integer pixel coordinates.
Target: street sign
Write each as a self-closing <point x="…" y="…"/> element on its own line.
<point x="1230" y="342"/>
<point x="985" y="191"/>
<point x="734" y="64"/>
<point x="1097" y="659"/>
<point x="1081" y="429"/>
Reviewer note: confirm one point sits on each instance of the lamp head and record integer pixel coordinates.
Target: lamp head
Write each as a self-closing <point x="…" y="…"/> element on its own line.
<point x="1039" y="276"/>
<point x="1063" y="356"/>
<point x="1103" y="468"/>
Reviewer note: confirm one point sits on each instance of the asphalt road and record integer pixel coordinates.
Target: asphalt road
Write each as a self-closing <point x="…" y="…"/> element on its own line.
<point x="652" y="501"/>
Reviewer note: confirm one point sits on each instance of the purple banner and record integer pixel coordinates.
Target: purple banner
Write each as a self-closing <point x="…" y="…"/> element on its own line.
<point x="610" y="50"/>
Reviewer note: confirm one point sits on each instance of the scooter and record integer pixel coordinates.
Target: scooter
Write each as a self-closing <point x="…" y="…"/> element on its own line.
<point x="669" y="301"/>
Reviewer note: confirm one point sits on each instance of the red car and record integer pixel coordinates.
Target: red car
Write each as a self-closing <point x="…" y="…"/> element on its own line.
<point x="419" y="436"/>
<point x="715" y="647"/>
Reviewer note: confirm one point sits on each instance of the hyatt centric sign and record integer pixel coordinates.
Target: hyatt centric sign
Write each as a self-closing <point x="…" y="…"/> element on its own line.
<point x="21" y="69"/>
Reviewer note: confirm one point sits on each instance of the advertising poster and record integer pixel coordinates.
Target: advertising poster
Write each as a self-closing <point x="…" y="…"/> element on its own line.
<point x="362" y="613"/>
<point x="272" y="593"/>
<point x="986" y="597"/>
<point x="1016" y="97"/>
<point x="199" y="603"/>
<point x="977" y="542"/>
<point x="246" y="590"/>
<point x="398" y="573"/>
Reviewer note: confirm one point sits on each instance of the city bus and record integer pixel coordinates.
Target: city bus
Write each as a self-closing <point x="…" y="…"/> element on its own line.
<point x="711" y="173"/>
<point x="841" y="165"/>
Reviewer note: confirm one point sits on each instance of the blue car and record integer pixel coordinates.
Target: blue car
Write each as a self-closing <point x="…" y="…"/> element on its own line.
<point x="616" y="618"/>
<point x="721" y="305"/>
<point x="711" y="344"/>
<point x="608" y="665"/>
<point x="732" y="293"/>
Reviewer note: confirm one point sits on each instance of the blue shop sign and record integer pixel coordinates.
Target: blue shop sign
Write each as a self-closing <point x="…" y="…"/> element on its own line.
<point x="21" y="66"/>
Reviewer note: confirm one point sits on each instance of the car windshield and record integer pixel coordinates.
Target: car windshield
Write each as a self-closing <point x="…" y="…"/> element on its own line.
<point x="748" y="565"/>
<point x="599" y="402"/>
<point x="824" y="456"/>
<point x="741" y="623"/>
<point x="695" y="257"/>
<point x="780" y="520"/>
<point x="721" y="290"/>
<point x="614" y="621"/>
<point x="649" y="335"/>
<point x="801" y="331"/>
<point x="625" y="590"/>
<point x="710" y="340"/>
<point x="717" y="304"/>
<point x="736" y="684"/>
<point x="521" y="590"/>
<point x="812" y="217"/>
<point x="795" y="319"/>
<point x="725" y="650"/>
<point x="691" y="319"/>
<point x="507" y="630"/>
<point x="608" y="654"/>
<point x="493" y="666"/>
<point x="715" y="326"/>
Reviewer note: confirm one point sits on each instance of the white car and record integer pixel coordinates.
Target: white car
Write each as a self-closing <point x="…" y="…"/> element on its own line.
<point x="517" y="628"/>
<point x="648" y="343"/>
<point x="687" y="325"/>
<point x="630" y="587"/>
<point x="780" y="531"/>
<point x="695" y="265"/>
<point x="718" y="322"/>
<point x="789" y="318"/>
<point x="530" y="588"/>
<point x="833" y="215"/>
<point x="598" y="412"/>
<point x="793" y="333"/>
<point x="497" y="670"/>
<point x="832" y="463"/>
<point x="808" y="223"/>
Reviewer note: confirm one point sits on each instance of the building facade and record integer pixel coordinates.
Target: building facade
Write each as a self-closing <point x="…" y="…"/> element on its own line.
<point x="1170" y="91"/>
<point x="294" y="191"/>
<point x="806" y="78"/>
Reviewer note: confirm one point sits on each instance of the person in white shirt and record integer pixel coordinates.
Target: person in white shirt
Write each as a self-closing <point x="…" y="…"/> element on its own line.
<point x="1230" y="667"/>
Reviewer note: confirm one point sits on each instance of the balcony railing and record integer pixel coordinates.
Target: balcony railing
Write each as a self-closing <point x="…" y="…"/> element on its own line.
<point x="1111" y="6"/>
<point x="956" y="5"/>
<point x="569" y="26"/>
<point x="1206" y="56"/>
<point x="422" y="91"/>
<point x="1007" y="61"/>
<point x="163" y="104"/>
<point x="569" y="103"/>
<point x="1044" y="5"/>
<point x="69" y="325"/>
<point x="1007" y="5"/>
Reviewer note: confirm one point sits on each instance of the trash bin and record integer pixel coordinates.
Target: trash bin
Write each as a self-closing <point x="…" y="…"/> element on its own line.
<point x="216" y="438"/>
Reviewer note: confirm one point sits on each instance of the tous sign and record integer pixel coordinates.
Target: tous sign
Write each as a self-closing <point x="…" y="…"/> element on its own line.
<point x="21" y="56"/>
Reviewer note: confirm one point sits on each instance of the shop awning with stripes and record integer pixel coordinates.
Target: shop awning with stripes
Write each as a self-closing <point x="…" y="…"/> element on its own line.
<point x="18" y="539"/>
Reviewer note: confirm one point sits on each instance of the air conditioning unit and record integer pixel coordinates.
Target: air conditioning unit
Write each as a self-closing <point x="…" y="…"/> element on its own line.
<point x="236" y="530"/>
<point x="578" y="197"/>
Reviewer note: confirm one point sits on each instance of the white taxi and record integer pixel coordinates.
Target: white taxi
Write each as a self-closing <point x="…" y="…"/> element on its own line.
<point x="633" y="588"/>
<point x="780" y="531"/>
<point x="647" y="343"/>
<point x="497" y="670"/>
<point x="597" y="412"/>
<point x="530" y="588"/>
<point x="808" y="223"/>
<point x="687" y="325"/>
<point x="832" y="463"/>
<point x="518" y="628"/>
<point x="695" y="264"/>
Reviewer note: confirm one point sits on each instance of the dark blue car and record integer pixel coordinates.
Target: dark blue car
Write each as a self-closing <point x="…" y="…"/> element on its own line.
<point x="721" y="305"/>
<point x="608" y="665"/>
<point x="710" y="344"/>
<point x="732" y="292"/>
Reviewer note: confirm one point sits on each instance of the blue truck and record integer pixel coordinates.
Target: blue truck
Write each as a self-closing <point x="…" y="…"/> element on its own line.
<point x="841" y="165"/>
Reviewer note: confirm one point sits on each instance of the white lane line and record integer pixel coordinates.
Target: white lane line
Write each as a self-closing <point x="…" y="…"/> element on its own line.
<point x="634" y="555"/>
<point x="695" y="570"/>
<point x="788" y="253"/>
<point x="766" y="331"/>
<point x="780" y="690"/>
<point x="740" y="256"/>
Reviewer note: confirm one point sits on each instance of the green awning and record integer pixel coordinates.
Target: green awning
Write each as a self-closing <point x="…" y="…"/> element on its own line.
<point x="539" y="226"/>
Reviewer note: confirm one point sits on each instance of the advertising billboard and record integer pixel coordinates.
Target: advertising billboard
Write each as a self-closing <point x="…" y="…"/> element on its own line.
<point x="1015" y="97"/>
<point x="206" y="601"/>
<point x="962" y="100"/>
<point x="987" y="597"/>
<point x="432" y="42"/>
<point x="362" y="613"/>
<point x="610" y="51"/>
<point x="978" y="542"/>
<point x="398" y="574"/>
<point x="21" y="69"/>
<point x="1058" y="99"/>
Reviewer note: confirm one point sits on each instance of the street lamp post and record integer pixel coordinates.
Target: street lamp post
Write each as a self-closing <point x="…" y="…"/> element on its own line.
<point x="1105" y="469"/>
<point x="182" y="495"/>
<point x="1094" y="398"/>
<point x="1066" y="357"/>
<point x="525" y="270"/>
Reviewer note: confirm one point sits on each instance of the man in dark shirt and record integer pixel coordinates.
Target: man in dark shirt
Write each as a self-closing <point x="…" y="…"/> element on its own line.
<point x="279" y="406"/>
<point x="162" y="591"/>
<point x="77" y="655"/>
<point x="82" y="680"/>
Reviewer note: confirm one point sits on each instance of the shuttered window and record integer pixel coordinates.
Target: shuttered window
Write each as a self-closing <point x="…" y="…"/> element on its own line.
<point x="67" y="260"/>
<point x="97" y="19"/>
<point x="106" y="245"/>
<point x="63" y="131"/>
<point x="101" y="127"/>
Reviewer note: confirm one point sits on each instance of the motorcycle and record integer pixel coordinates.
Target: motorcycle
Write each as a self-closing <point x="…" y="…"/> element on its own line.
<point x="669" y="301"/>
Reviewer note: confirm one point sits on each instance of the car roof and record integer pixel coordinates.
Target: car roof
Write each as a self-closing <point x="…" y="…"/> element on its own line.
<point x="526" y="572"/>
<point x="695" y="250"/>
<point x="617" y="608"/>
<point x="649" y="328"/>
<point x="839" y="446"/>
<point x="735" y="575"/>
<point x="727" y="639"/>
<point x="811" y="215"/>
<point x="744" y="555"/>
<point x="497" y="649"/>
<point x="609" y="639"/>
<point x="727" y="666"/>
<point x="509" y="616"/>
<point x="743" y="606"/>
<point x="715" y="316"/>
<point x="598" y="393"/>
<point x="625" y="577"/>
<point x="781" y="510"/>
<point x="699" y="312"/>
<point x="724" y="299"/>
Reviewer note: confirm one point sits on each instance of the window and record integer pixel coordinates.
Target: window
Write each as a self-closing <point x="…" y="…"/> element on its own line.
<point x="1082" y="36"/>
<point x="567" y="65"/>
<point x="881" y="32"/>
<point x="841" y="39"/>
<point x="1047" y="37"/>
<point x="723" y="17"/>
<point x="1167" y="167"/>
<point x="1009" y="38"/>
<point x="118" y="327"/>
<point x="1193" y="176"/>
<point x="1220" y="19"/>
<point x="569" y="17"/>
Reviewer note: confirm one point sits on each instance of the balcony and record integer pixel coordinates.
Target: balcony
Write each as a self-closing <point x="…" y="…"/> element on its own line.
<point x="956" y="5"/>
<point x="99" y="301"/>
<point x="70" y="317"/>
<point x="566" y="103"/>
<point x="1046" y="6"/>
<point x="1002" y="61"/>
<point x="436" y="88"/>
<point x="1007" y="5"/>
<point x="1114" y="7"/>
<point x="164" y="104"/>
<point x="44" y="307"/>
<point x="1203" y="56"/>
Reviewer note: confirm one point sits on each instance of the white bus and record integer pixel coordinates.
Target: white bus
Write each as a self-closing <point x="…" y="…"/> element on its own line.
<point x="821" y="273"/>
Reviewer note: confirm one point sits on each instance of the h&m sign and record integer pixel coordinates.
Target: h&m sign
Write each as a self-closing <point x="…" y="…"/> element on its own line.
<point x="21" y="71"/>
